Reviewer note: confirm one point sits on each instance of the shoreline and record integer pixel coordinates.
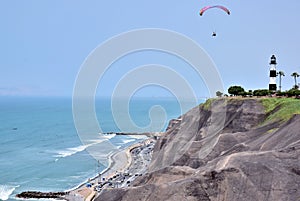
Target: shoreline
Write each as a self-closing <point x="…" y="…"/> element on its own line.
<point x="87" y="193"/>
<point x="119" y="162"/>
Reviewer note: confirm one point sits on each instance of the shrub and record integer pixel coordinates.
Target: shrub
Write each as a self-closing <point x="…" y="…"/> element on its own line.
<point x="236" y="90"/>
<point x="261" y="92"/>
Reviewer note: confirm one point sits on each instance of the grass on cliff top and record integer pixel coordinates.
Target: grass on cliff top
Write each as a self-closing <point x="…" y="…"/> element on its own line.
<point x="280" y="109"/>
<point x="207" y="104"/>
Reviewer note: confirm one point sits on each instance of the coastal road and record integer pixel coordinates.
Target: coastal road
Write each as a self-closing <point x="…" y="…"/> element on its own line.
<point x="140" y="159"/>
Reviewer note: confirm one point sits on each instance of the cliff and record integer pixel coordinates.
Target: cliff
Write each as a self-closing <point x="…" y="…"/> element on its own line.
<point x="225" y="149"/>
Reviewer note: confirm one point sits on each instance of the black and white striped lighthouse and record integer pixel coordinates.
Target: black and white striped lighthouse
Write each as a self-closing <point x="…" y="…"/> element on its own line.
<point x="273" y="74"/>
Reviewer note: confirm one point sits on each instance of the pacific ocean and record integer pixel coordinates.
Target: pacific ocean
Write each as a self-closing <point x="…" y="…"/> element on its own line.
<point x="41" y="150"/>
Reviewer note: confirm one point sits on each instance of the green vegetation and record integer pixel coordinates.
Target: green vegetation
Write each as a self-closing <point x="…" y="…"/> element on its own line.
<point x="236" y="90"/>
<point x="261" y="92"/>
<point x="293" y="92"/>
<point x="207" y="104"/>
<point x="277" y="109"/>
<point x="280" y="109"/>
<point x="219" y="94"/>
<point x="239" y="91"/>
<point x="295" y="75"/>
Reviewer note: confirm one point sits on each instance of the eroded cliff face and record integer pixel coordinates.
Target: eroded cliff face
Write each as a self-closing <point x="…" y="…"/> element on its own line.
<point x="222" y="150"/>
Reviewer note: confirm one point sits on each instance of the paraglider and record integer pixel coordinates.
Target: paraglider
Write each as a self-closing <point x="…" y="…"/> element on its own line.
<point x="203" y="10"/>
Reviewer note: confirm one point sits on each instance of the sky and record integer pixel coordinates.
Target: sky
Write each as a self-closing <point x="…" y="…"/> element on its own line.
<point x="44" y="43"/>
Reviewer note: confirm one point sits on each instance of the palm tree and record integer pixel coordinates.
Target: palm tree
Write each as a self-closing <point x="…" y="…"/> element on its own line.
<point x="295" y="75"/>
<point x="280" y="73"/>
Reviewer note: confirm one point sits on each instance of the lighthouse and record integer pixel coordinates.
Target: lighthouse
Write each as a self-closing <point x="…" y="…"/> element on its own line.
<point x="273" y="74"/>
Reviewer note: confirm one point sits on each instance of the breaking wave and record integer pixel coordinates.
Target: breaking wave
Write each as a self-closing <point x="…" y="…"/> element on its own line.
<point x="71" y="151"/>
<point x="125" y="141"/>
<point x="74" y="150"/>
<point x="138" y="136"/>
<point x="6" y="191"/>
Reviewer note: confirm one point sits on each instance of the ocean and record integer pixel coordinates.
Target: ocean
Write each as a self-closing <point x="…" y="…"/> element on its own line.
<point x="39" y="146"/>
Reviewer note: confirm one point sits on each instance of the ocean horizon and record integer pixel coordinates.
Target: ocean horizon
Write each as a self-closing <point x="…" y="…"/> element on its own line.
<point x="41" y="150"/>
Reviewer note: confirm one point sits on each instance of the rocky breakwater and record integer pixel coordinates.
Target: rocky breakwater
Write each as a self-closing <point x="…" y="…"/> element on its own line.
<point x="40" y="195"/>
<point x="226" y="149"/>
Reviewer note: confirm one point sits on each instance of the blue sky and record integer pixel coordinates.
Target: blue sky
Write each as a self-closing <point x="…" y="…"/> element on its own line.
<point x="44" y="43"/>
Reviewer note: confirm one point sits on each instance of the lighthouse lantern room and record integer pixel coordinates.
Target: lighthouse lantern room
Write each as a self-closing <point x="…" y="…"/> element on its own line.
<point x="273" y="74"/>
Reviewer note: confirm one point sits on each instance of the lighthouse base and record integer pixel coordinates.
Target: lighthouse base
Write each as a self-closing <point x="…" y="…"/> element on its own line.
<point x="272" y="87"/>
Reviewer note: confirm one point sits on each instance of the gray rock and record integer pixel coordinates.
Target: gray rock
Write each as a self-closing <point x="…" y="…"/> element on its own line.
<point x="222" y="152"/>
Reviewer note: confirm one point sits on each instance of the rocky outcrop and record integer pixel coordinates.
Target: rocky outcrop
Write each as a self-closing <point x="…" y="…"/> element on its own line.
<point x="222" y="150"/>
